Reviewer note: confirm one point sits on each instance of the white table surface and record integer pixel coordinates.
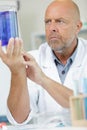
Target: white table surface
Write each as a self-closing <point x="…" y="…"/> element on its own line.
<point x="47" y="122"/>
<point x="28" y="127"/>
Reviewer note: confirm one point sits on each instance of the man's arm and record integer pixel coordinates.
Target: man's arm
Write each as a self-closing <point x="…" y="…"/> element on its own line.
<point x="59" y="92"/>
<point x="18" y="99"/>
<point x="21" y="65"/>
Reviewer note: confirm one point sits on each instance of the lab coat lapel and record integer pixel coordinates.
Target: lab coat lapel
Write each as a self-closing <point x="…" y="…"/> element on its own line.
<point x="76" y="66"/>
<point x="48" y="65"/>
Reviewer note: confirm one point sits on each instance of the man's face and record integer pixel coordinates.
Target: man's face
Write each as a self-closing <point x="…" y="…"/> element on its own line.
<point x="60" y="27"/>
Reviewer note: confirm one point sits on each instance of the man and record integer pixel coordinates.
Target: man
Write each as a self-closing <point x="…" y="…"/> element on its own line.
<point x="62" y="55"/>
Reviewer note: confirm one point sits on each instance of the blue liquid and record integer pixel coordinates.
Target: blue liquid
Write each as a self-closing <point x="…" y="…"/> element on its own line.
<point x="85" y="85"/>
<point x="8" y="26"/>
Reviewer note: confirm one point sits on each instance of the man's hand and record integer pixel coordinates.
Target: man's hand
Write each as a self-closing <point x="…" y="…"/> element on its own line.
<point x="33" y="70"/>
<point x="13" y="57"/>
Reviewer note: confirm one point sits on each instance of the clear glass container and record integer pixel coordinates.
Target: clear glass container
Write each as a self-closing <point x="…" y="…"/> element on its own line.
<point x="8" y="21"/>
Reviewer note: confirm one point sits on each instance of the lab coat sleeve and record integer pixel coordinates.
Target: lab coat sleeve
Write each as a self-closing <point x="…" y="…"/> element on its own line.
<point x="13" y="122"/>
<point x="34" y="94"/>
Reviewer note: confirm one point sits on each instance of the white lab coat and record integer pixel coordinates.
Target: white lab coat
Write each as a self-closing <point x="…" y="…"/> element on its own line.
<point x="41" y="101"/>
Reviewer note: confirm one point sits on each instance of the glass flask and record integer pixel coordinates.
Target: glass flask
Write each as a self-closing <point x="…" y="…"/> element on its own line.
<point x="8" y="21"/>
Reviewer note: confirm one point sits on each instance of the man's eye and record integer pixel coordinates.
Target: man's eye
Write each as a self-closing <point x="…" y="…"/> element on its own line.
<point x="47" y="21"/>
<point x="60" y="21"/>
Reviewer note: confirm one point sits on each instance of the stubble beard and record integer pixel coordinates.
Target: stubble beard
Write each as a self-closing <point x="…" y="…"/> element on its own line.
<point x="55" y="47"/>
<point x="58" y="47"/>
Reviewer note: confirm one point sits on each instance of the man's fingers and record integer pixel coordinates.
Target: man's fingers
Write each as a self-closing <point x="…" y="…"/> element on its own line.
<point x="10" y="47"/>
<point x="27" y="56"/>
<point x="18" y="46"/>
<point x="1" y="51"/>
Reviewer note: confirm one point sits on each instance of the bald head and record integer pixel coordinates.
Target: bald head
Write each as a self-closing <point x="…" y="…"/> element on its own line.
<point x="66" y="6"/>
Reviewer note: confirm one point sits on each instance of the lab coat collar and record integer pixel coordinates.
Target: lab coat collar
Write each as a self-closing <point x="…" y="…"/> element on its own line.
<point x="80" y="54"/>
<point x="48" y="61"/>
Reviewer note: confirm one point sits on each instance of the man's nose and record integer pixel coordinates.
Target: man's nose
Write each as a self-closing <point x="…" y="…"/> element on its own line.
<point x="53" y="27"/>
